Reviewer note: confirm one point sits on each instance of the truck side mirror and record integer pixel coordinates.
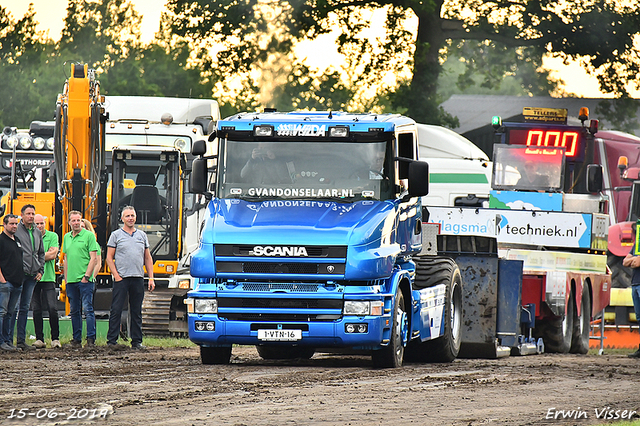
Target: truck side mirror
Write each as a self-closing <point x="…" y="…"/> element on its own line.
<point x="418" y="178"/>
<point x="199" y="174"/>
<point x="594" y="178"/>
<point x="199" y="147"/>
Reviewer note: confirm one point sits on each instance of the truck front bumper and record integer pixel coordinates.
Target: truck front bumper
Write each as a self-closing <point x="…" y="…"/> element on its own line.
<point x="210" y="330"/>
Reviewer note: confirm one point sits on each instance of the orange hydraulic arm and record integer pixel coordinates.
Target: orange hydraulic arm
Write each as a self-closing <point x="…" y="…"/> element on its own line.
<point x="79" y="145"/>
<point x="79" y="154"/>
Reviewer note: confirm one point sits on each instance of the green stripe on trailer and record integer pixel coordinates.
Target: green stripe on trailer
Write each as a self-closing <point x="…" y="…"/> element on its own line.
<point x="457" y="178"/>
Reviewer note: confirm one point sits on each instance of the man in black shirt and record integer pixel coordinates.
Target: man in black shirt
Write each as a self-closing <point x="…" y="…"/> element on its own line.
<point x="11" y="277"/>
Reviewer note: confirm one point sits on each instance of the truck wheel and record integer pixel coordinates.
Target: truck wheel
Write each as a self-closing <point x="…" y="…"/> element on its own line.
<point x="446" y="347"/>
<point x="284" y="352"/>
<point x="557" y="333"/>
<point x="582" y="325"/>
<point x="391" y="356"/>
<point x="215" y="355"/>
<point x="620" y="275"/>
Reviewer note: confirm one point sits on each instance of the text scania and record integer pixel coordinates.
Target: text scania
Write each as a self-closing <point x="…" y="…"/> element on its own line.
<point x="554" y="231"/>
<point x="300" y="192"/>
<point x="301" y="130"/>
<point x="280" y="251"/>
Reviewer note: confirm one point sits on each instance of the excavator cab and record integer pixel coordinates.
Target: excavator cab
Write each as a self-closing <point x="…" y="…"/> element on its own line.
<point x="155" y="195"/>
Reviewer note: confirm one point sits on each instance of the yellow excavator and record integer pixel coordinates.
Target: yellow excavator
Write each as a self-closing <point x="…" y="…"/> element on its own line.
<point x="79" y="172"/>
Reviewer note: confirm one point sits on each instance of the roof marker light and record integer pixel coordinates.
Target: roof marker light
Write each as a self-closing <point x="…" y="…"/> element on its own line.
<point x="263" y="131"/>
<point x="166" y="118"/>
<point x="584" y="114"/>
<point x="339" y="132"/>
<point x="623" y="162"/>
<point x="496" y="122"/>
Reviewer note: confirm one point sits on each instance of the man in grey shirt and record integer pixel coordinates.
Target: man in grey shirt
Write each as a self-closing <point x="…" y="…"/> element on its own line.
<point x="127" y="253"/>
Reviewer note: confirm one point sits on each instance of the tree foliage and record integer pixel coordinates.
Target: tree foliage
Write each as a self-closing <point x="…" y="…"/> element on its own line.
<point x="498" y="38"/>
<point x="24" y="76"/>
<point x="106" y="35"/>
<point x="396" y="55"/>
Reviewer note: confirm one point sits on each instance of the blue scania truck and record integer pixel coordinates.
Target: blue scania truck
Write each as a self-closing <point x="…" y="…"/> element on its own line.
<point x="313" y="240"/>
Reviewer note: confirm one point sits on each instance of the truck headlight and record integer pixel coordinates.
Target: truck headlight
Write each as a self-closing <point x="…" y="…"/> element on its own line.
<point x="38" y="143"/>
<point x="25" y="142"/>
<point x="205" y="306"/>
<point x="362" y="307"/>
<point x="12" y="141"/>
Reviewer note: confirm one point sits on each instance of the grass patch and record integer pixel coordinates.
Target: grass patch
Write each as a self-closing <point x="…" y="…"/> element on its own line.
<point x="623" y="423"/>
<point x="168" y="342"/>
<point x="152" y="342"/>
<point x="612" y="351"/>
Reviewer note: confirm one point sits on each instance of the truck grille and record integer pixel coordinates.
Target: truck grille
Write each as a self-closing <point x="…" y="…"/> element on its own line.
<point x="279" y="303"/>
<point x="338" y="252"/>
<point x="280" y="308"/>
<point x="280" y="268"/>
<point x="289" y="287"/>
<point x="248" y="316"/>
<point x="292" y="260"/>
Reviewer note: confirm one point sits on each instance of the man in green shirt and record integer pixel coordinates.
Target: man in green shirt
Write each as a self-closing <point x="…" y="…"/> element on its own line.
<point x="44" y="293"/>
<point x="80" y="249"/>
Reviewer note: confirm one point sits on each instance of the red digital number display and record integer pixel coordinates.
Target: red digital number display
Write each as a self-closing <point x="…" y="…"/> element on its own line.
<point x="568" y="139"/>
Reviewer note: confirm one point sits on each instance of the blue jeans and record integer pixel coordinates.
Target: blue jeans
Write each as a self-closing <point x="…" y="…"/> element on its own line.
<point x="81" y="297"/>
<point x="25" y="301"/>
<point x="635" y="295"/>
<point x="9" y="296"/>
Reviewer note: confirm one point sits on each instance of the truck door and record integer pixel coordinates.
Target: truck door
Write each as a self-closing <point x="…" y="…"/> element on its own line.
<point x="410" y="213"/>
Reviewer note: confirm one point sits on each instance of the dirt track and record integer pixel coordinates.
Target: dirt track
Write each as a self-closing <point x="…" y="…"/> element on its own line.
<point x="171" y="387"/>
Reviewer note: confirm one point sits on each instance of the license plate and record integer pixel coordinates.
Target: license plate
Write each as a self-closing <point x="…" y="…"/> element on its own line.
<point x="280" y="335"/>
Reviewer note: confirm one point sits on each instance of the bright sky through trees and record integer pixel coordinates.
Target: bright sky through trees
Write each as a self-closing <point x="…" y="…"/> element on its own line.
<point x="51" y="13"/>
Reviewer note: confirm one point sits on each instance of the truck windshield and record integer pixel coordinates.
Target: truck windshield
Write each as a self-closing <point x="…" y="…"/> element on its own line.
<point x="338" y="171"/>
<point x="527" y="168"/>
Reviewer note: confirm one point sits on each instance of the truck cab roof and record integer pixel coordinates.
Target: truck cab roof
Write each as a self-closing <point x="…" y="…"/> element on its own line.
<point x="356" y="122"/>
<point x="183" y="110"/>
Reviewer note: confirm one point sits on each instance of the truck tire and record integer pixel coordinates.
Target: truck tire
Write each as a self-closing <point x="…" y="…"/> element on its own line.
<point x="582" y="325"/>
<point x="434" y="271"/>
<point x="284" y="352"/>
<point x="557" y="333"/>
<point x="392" y="355"/>
<point x="620" y="275"/>
<point x="215" y="355"/>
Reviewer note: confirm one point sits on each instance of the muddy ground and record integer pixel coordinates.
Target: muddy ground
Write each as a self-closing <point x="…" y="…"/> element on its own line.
<point x="171" y="387"/>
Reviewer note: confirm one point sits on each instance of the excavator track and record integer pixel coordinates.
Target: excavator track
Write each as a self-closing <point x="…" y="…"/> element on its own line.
<point x="156" y="309"/>
<point x="164" y="313"/>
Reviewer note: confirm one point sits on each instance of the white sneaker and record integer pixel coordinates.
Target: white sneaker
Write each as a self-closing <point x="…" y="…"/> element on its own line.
<point x="56" y="344"/>
<point x="39" y="344"/>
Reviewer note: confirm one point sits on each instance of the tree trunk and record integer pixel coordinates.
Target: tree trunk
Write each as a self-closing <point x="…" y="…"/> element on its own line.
<point x="422" y="100"/>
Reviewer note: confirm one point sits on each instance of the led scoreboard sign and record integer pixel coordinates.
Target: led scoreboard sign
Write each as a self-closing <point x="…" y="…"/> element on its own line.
<point x="570" y="138"/>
